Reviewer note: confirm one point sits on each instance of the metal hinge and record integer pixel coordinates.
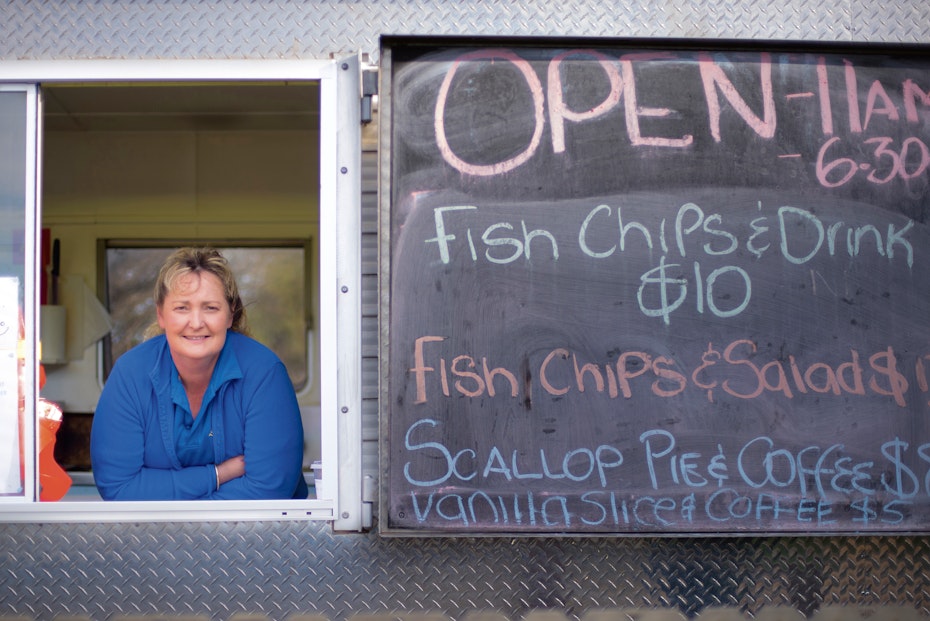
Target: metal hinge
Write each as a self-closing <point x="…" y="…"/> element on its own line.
<point x="369" y="91"/>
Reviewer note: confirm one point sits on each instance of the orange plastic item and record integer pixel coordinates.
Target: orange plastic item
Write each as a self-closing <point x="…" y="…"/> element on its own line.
<point x="54" y="482"/>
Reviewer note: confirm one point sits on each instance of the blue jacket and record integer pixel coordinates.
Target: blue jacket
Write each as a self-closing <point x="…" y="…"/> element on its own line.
<point x="255" y="414"/>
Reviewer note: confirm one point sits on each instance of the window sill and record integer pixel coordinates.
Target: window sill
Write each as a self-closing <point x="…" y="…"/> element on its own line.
<point x="167" y="511"/>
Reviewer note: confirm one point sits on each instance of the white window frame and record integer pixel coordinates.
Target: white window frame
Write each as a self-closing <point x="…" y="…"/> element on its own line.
<point x="340" y="285"/>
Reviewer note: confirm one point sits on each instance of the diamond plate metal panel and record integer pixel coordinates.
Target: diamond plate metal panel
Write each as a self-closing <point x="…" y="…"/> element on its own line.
<point x="284" y="569"/>
<point x="46" y="29"/>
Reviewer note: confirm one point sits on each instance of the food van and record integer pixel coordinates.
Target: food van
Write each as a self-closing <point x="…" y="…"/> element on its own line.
<point x="433" y="209"/>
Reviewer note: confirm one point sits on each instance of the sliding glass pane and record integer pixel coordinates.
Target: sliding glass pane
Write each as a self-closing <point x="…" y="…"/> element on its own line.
<point x="16" y="359"/>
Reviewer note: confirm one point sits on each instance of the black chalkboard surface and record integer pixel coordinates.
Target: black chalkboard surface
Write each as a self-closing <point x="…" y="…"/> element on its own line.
<point x="656" y="290"/>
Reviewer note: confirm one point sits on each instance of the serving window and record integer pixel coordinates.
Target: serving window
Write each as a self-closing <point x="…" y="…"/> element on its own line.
<point x="139" y="163"/>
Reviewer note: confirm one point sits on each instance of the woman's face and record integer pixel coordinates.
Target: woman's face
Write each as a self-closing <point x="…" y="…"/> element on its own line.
<point x="195" y="316"/>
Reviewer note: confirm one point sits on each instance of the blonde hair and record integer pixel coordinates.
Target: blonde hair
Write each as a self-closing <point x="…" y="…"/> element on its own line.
<point x="190" y="260"/>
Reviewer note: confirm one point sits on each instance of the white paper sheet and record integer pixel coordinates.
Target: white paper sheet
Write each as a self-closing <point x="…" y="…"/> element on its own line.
<point x="10" y="478"/>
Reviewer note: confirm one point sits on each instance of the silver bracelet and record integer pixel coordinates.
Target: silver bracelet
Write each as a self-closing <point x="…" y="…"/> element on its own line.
<point x="217" y="469"/>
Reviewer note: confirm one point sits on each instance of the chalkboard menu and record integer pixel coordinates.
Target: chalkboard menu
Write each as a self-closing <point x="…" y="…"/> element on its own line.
<point x="642" y="289"/>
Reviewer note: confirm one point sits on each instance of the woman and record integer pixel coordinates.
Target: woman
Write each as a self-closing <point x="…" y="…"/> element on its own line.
<point x="200" y="411"/>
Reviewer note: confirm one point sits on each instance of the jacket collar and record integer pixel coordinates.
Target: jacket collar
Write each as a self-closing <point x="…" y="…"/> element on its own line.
<point x="227" y="365"/>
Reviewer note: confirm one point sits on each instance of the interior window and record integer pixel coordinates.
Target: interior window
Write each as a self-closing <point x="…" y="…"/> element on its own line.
<point x="271" y="281"/>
